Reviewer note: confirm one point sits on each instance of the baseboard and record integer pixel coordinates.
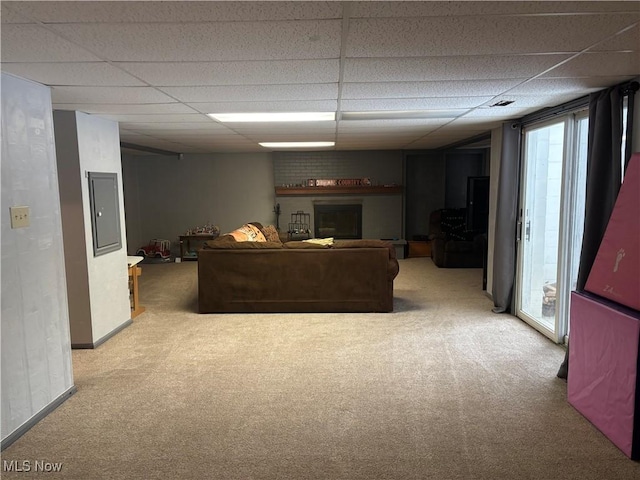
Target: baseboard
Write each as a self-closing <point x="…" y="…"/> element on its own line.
<point x="100" y="341"/>
<point x="26" y="426"/>
<point x="488" y="295"/>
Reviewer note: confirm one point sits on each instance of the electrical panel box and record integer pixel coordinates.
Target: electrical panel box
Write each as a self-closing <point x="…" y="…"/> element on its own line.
<point x="105" y="212"/>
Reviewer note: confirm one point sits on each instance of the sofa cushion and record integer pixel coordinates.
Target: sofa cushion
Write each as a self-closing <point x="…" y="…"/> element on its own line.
<point x="393" y="267"/>
<point x="301" y="244"/>
<point x="233" y="245"/>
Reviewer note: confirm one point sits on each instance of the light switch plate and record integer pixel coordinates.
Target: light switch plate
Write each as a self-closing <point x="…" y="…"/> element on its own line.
<point x="20" y="217"/>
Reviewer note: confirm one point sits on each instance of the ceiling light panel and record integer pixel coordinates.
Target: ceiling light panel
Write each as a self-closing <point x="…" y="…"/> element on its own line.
<point x="254" y="117"/>
<point x="160" y="42"/>
<point x="235" y="72"/>
<point x="296" y="144"/>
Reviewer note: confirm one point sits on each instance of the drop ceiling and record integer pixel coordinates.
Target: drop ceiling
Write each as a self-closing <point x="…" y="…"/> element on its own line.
<point x="158" y="67"/>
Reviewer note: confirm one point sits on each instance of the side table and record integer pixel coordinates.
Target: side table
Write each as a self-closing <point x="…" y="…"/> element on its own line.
<point x="186" y="253"/>
<point x="134" y="273"/>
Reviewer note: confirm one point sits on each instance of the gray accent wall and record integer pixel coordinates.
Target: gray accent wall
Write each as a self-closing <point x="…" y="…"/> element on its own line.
<point x="425" y="190"/>
<point x="382" y="215"/>
<point x="36" y="352"/>
<point x="98" y="286"/>
<point x="166" y="195"/>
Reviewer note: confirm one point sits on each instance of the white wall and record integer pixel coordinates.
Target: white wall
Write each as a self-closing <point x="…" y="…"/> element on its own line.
<point x="36" y="353"/>
<point x="86" y="143"/>
<point x="166" y="195"/>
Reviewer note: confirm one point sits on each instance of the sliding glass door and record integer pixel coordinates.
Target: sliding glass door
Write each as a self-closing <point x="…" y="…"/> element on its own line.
<point x="551" y="222"/>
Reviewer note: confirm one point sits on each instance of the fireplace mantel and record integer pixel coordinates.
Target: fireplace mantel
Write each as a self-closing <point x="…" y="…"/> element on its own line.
<point x="340" y="190"/>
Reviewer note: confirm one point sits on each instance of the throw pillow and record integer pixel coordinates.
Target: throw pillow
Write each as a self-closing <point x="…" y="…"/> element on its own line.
<point x="270" y="233"/>
<point x="248" y="233"/>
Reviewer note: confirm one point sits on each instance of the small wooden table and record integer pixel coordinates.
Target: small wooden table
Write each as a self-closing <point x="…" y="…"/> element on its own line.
<point x="134" y="273"/>
<point x="185" y="244"/>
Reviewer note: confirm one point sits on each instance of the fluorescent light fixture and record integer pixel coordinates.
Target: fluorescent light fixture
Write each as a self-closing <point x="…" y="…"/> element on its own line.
<point x="296" y="144"/>
<point x="401" y="114"/>
<point x="274" y="117"/>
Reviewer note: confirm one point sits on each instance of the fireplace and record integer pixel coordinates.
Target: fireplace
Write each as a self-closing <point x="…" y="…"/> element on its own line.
<point x="337" y="220"/>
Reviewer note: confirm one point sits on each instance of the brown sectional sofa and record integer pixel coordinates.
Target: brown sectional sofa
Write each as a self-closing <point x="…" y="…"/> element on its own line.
<point x="349" y="276"/>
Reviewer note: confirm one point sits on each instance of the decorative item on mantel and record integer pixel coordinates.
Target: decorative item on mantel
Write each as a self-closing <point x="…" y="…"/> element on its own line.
<point x="299" y="228"/>
<point x="338" y="182"/>
<point x="207" y="229"/>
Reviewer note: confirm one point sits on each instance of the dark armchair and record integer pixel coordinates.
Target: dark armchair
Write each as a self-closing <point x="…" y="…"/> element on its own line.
<point x="452" y="245"/>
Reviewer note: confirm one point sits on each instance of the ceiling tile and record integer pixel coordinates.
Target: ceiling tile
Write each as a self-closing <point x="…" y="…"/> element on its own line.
<point x="284" y="106"/>
<point x="454" y="88"/>
<point x="627" y="40"/>
<point x="484" y="67"/>
<point x="169" y="127"/>
<point x="119" y="95"/>
<point x="440" y="36"/>
<point x="115" y="109"/>
<point x="536" y="100"/>
<point x="67" y="73"/>
<point x="392" y="124"/>
<point x="9" y="15"/>
<point x="609" y="63"/>
<point x="576" y="87"/>
<point x="391" y="104"/>
<point x="176" y="11"/>
<point x="159" y="118"/>
<point x="254" y="93"/>
<point x="208" y="41"/>
<point x="292" y="128"/>
<point x="414" y="9"/>
<point x="235" y="72"/>
<point x="33" y="43"/>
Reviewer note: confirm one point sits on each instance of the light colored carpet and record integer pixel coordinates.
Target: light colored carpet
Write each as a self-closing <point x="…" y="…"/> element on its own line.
<point x="440" y="389"/>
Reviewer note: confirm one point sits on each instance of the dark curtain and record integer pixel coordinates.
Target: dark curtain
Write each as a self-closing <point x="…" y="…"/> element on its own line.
<point x="604" y="176"/>
<point x="604" y="173"/>
<point x="504" y="256"/>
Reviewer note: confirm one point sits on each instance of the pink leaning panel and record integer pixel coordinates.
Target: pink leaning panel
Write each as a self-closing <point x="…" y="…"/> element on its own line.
<point x="615" y="273"/>
<point x="603" y="363"/>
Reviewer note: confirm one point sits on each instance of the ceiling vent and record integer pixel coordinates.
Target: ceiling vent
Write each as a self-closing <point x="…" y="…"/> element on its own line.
<point x="503" y="103"/>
